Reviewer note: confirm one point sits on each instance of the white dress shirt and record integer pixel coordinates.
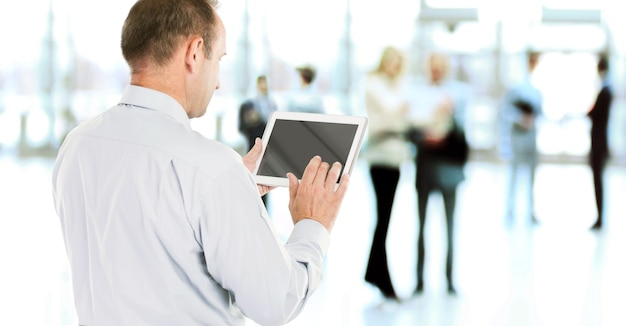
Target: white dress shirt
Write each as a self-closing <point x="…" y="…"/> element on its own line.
<point x="519" y="145"/>
<point x="305" y="99"/>
<point x="163" y="226"/>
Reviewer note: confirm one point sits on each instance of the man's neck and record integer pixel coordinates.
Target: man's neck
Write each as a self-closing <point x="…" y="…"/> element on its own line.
<point x="162" y="81"/>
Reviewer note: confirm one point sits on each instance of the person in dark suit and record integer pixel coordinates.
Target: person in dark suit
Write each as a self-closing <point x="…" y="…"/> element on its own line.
<point x="441" y="154"/>
<point x="599" y="153"/>
<point x="254" y="112"/>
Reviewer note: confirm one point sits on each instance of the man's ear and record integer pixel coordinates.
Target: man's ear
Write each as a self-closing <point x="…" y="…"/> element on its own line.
<point x="194" y="53"/>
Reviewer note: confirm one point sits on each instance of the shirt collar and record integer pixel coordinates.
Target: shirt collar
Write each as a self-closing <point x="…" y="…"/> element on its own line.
<point x="151" y="99"/>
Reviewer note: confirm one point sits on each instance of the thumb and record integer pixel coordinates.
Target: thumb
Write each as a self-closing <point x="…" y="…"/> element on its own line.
<point x="258" y="146"/>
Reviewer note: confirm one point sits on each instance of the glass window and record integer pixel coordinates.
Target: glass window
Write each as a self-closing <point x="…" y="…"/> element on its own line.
<point x="572" y="4"/>
<point x="452" y="3"/>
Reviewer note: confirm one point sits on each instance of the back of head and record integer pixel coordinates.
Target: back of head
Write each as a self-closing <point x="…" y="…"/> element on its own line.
<point x="532" y="58"/>
<point x="603" y="63"/>
<point x="154" y="29"/>
<point x="307" y="73"/>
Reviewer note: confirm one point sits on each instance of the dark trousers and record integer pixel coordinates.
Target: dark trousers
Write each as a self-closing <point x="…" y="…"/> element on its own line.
<point x="598" y="163"/>
<point x="385" y="182"/>
<point x="449" y="201"/>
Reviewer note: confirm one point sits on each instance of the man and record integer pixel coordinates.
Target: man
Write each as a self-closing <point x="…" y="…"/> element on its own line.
<point x="165" y="227"/>
<point x="521" y="107"/>
<point x="305" y="98"/>
<point x="441" y="153"/>
<point x="599" y="153"/>
<point x="255" y="112"/>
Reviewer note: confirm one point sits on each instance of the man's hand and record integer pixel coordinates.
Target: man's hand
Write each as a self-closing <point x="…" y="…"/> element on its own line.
<point x="250" y="162"/>
<point x="436" y="132"/>
<point x="315" y="196"/>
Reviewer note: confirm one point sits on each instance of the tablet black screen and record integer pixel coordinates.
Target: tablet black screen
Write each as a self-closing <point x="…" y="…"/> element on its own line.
<point x="293" y="143"/>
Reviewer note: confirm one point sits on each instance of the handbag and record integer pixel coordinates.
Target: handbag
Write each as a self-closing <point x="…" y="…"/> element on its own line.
<point x="453" y="148"/>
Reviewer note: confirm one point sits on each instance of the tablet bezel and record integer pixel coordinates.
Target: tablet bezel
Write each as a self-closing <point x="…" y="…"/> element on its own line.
<point x="355" y="147"/>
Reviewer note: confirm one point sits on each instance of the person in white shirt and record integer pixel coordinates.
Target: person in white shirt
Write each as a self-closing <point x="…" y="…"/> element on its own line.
<point x="163" y="226"/>
<point x="521" y="107"/>
<point x="305" y="98"/>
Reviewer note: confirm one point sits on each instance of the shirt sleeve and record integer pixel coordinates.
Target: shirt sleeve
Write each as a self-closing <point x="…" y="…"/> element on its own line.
<point x="268" y="280"/>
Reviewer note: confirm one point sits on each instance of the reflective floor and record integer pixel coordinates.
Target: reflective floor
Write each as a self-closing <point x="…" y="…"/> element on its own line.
<point x="555" y="273"/>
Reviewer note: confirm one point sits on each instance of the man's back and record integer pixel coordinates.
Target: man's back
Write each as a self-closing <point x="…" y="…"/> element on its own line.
<point x="305" y="99"/>
<point x="600" y="119"/>
<point x="126" y="198"/>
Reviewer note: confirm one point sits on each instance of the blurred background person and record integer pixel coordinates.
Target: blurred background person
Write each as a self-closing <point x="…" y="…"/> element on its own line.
<point x="306" y="98"/>
<point x="254" y="114"/>
<point x="437" y="113"/>
<point x="599" y="153"/>
<point x="387" y="108"/>
<point x="521" y="105"/>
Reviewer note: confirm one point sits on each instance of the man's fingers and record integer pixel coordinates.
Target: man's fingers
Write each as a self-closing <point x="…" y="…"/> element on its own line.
<point x="343" y="187"/>
<point x="293" y="186"/>
<point x="322" y="173"/>
<point x="333" y="175"/>
<point x="311" y="170"/>
<point x="250" y="159"/>
<point x="256" y="150"/>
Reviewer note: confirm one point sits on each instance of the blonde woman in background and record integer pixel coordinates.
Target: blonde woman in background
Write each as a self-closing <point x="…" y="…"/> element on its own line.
<point x="387" y="109"/>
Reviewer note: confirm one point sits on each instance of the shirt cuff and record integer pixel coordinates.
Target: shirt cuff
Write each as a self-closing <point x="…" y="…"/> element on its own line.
<point x="311" y="230"/>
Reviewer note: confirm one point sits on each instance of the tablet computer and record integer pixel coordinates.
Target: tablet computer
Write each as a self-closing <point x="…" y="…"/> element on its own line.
<point x="292" y="139"/>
